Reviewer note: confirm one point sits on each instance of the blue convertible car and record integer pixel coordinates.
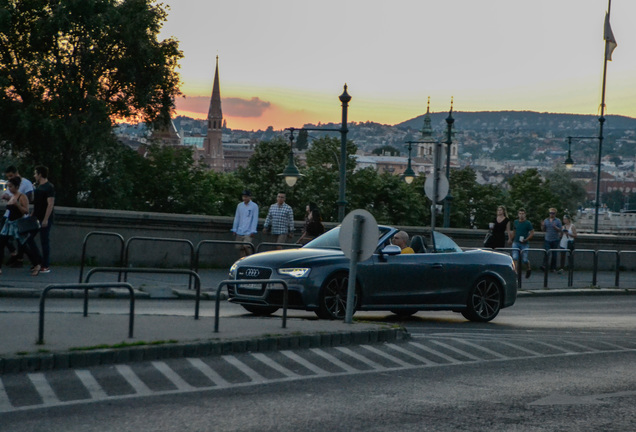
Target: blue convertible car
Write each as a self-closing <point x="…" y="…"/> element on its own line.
<point x="439" y="276"/>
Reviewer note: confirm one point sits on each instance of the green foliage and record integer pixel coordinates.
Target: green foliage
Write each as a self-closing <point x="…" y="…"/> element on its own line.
<point x="530" y="191"/>
<point x="68" y="69"/>
<point x="571" y="193"/>
<point x="472" y="199"/>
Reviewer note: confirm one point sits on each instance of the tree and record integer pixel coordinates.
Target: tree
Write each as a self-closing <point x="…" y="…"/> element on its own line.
<point x="571" y="193"/>
<point x="473" y="205"/>
<point x="530" y="191"/>
<point x="68" y="70"/>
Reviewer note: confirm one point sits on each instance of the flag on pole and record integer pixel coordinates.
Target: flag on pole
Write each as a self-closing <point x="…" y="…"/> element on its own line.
<point x="610" y="41"/>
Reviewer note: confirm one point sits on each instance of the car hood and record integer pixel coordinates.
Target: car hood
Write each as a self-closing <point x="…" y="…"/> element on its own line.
<point x="289" y="257"/>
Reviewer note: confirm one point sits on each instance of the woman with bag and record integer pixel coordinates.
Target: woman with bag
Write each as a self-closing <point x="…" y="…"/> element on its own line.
<point x="498" y="229"/>
<point x="18" y="206"/>
<point x="567" y="240"/>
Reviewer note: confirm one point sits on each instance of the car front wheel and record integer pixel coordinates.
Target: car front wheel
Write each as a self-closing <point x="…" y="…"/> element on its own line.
<point x="484" y="301"/>
<point x="333" y="297"/>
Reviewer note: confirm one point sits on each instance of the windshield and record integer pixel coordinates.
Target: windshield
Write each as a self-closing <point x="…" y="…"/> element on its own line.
<point x="444" y="244"/>
<point x="331" y="240"/>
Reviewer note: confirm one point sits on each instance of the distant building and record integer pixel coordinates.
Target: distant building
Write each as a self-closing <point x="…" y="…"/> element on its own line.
<point x="212" y="154"/>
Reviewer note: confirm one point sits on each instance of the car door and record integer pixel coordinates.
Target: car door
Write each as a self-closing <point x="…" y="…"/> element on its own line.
<point x="403" y="279"/>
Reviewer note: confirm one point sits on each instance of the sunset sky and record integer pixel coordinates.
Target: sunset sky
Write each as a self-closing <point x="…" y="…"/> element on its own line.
<point x="283" y="63"/>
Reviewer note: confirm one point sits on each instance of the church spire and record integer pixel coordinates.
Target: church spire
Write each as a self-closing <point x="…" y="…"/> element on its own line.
<point x="213" y="145"/>
<point x="427" y="129"/>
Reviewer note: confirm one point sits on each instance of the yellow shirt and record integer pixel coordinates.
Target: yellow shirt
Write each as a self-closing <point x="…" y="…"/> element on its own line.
<point x="407" y="250"/>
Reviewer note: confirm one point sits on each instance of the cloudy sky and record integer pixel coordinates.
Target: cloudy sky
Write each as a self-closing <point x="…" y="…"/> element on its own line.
<point x="283" y="63"/>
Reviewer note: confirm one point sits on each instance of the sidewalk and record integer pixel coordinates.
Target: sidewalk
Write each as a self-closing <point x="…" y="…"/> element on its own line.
<point x="71" y="340"/>
<point x="74" y="341"/>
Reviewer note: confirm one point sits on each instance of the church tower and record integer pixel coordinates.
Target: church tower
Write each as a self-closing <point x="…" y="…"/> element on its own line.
<point x="213" y="145"/>
<point x="425" y="150"/>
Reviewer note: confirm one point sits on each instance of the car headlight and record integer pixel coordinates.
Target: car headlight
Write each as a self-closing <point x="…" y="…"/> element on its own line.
<point x="294" y="272"/>
<point x="233" y="270"/>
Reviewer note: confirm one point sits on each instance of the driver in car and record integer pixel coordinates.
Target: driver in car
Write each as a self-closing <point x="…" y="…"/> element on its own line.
<point x="401" y="239"/>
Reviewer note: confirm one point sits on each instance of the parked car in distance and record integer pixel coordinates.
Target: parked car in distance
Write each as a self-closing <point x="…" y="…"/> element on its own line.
<point x="439" y="276"/>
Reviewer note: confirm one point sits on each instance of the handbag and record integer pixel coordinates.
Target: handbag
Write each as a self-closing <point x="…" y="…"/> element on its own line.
<point x="488" y="240"/>
<point x="27" y="225"/>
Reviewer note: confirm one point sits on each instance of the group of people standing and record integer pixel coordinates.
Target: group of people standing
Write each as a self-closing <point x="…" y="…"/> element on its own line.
<point x="558" y="235"/>
<point x="279" y="222"/>
<point x="19" y="195"/>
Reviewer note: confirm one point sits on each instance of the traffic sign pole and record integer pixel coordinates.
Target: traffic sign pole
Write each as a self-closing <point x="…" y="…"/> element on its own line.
<point x="358" y="220"/>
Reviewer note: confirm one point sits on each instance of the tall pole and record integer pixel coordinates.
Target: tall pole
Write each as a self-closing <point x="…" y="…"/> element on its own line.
<point x="342" y="201"/>
<point x="449" y="140"/>
<point x="601" y="121"/>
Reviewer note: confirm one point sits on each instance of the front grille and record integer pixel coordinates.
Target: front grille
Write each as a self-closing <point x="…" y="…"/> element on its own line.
<point x="248" y="273"/>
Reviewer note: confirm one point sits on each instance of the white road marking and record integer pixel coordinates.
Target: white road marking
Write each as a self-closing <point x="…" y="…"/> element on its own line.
<point x="210" y="373"/>
<point x="43" y="388"/>
<point x="96" y="391"/>
<point x="174" y="378"/>
<point x="481" y="348"/>
<point x="435" y="353"/>
<point x="301" y="361"/>
<point x="271" y="363"/>
<point x="334" y="360"/>
<point x="411" y="354"/>
<point x="457" y="350"/>
<point x="135" y="382"/>
<point x="5" y="403"/>
<point x="251" y="373"/>
<point x="386" y="356"/>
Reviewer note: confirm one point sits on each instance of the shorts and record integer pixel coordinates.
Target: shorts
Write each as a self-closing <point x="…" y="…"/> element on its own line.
<point x="516" y="247"/>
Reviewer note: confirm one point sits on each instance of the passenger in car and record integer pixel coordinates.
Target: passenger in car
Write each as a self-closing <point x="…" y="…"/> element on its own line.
<point x="401" y="239"/>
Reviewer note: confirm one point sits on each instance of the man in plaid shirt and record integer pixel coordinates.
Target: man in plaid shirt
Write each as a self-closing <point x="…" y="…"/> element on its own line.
<point x="280" y="220"/>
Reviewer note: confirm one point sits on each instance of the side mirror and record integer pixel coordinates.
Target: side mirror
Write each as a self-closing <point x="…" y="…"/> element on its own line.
<point x="391" y="250"/>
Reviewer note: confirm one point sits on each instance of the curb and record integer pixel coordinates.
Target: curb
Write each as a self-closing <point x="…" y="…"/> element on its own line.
<point x="575" y="292"/>
<point x="82" y="359"/>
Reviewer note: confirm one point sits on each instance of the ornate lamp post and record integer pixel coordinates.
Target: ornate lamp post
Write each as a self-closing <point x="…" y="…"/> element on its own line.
<point x="449" y="141"/>
<point x="569" y="163"/>
<point x="409" y="174"/>
<point x="342" y="202"/>
<point x="291" y="172"/>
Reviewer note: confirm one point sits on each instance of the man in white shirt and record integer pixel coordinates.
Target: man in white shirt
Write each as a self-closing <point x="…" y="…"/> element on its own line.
<point x="245" y="222"/>
<point x="280" y="220"/>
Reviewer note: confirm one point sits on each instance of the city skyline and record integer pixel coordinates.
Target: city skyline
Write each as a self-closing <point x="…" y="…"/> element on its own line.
<point x="283" y="63"/>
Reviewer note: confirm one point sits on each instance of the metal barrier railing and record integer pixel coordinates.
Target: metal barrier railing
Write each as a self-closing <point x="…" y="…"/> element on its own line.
<point x="86" y="287"/>
<point x="283" y="245"/>
<point x="616" y="263"/>
<point x="197" y="254"/>
<point x="160" y="239"/>
<point x="192" y="274"/>
<point x="101" y="233"/>
<point x="252" y="281"/>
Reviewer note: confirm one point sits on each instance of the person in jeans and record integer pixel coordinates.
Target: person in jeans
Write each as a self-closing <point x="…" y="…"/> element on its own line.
<point x="280" y="220"/>
<point x="522" y="233"/>
<point x="245" y="222"/>
<point x="552" y="227"/>
<point x="43" y="203"/>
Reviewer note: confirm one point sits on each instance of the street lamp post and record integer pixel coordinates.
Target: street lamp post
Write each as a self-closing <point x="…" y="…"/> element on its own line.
<point x="291" y="172"/>
<point x="345" y="98"/>
<point x="569" y="162"/>
<point x="449" y="141"/>
<point x="409" y="174"/>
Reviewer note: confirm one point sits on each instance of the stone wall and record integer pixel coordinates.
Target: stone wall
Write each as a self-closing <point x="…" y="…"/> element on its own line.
<point x="73" y="224"/>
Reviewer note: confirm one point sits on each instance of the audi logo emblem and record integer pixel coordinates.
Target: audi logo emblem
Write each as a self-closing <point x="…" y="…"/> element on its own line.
<point x="252" y="273"/>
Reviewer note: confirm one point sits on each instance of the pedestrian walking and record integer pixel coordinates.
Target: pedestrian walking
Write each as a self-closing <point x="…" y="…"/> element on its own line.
<point x="245" y="222"/>
<point x="280" y="220"/>
<point x="522" y="233"/>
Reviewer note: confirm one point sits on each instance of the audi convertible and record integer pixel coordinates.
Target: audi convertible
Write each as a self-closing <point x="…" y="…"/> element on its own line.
<point x="438" y="276"/>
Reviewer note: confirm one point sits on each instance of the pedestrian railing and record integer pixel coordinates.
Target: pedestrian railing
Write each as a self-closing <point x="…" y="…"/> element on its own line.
<point x="101" y="233"/>
<point x="191" y="273"/>
<point x="251" y="281"/>
<point x="202" y="243"/>
<point x="86" y="287"/>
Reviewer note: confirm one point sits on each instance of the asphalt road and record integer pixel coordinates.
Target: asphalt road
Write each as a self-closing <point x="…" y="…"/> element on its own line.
<point x="551" y="363"/>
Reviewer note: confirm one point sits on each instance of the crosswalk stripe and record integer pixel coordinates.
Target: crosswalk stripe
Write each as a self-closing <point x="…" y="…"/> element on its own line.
<point x="210" y="373"/>
<point x="271" y="363"/>
<point x="434" y="352"/>
<point x="411" y="354"/>
<point x="457" y="350"/>
<point x="334" y="360"/>
<point x="554" y="347"/>
<point x="5" y="403"/>
<point x="301" y="361"/>
<point x="174" y="378"/>
<point x="361" y="358"/>
<point x="612" y="345"/>
<point x="481" y="348"/>
<point x="43" y="388"/>
<point x="136" y="383"/>
<point x="251" y="373"/>
<point x="520" y="348"/>
<point x="96" y="391"/>
<point x="386" y="356"/>
<point x="585" y="347"/>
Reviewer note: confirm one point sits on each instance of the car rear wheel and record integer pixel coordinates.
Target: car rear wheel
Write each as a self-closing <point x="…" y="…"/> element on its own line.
<point x="260" y="310"/>
<point x="484" y="300"/>
<point x="333" y="297"/>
